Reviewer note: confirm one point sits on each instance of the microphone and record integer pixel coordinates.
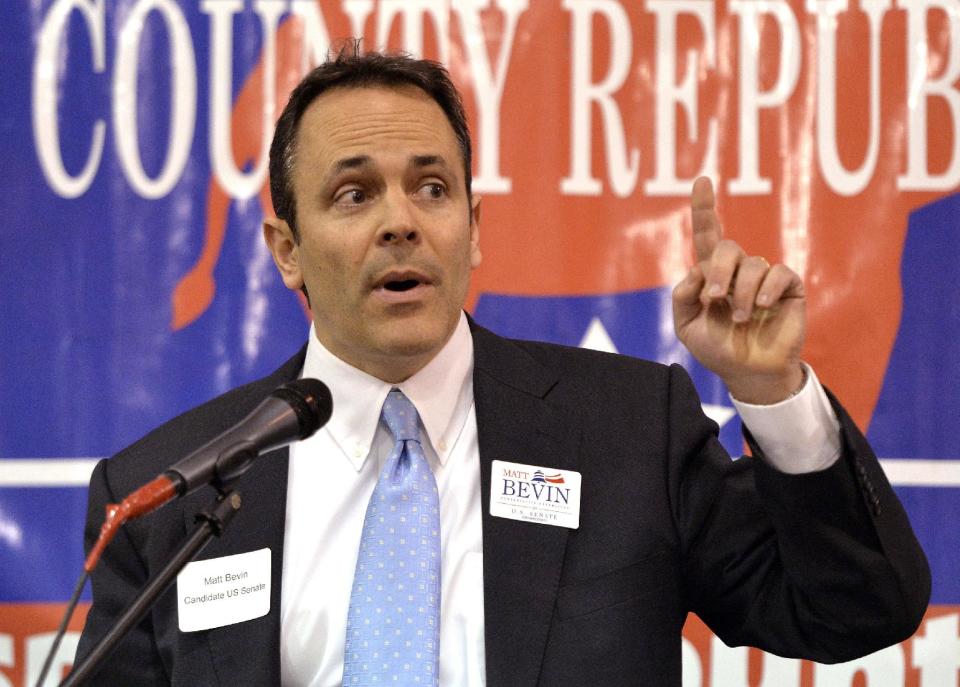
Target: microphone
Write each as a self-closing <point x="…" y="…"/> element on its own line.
<point x="293" y="411"/>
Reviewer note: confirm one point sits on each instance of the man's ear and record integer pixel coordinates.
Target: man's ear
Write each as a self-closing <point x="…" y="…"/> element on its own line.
<point x="285" y="251"/>
<point x="475" y="256"/>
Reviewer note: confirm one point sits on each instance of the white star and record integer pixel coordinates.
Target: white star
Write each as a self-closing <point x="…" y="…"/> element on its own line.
<point x="596" y="338"/>
<point x="719" y="414"/>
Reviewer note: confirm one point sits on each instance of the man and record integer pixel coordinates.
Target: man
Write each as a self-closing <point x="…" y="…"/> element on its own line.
<point x="370" y="177"/>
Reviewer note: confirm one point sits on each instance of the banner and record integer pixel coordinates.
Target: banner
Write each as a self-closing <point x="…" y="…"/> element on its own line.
<point x="136" y="284"/>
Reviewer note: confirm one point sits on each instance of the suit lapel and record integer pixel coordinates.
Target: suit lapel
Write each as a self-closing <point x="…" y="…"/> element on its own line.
<point x="522" y="561"/>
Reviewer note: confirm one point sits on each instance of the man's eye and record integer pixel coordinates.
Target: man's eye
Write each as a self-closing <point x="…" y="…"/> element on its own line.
<point x="354" y="196"/>
<point x="433" y="190"/>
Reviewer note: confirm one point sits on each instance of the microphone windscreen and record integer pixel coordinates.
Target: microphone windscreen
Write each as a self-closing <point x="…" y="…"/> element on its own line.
<point x="310" y="400"/>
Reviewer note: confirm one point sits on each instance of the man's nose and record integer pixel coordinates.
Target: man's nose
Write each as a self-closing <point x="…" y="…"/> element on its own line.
<point x="399" y="222"/>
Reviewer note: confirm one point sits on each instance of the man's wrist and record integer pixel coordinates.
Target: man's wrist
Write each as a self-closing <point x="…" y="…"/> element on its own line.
<point x="799" y="434"/>
<point x="768" y="389"/>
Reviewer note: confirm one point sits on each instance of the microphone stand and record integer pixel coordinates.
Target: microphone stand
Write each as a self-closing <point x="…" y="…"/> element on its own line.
<point x="211" y="521"/>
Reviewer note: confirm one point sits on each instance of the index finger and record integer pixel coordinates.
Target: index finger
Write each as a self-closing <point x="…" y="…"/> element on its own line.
<point x="707" y="231"/>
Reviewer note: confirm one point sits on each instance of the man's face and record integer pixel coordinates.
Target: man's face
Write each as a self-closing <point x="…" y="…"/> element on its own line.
<point x="388" y="236"/>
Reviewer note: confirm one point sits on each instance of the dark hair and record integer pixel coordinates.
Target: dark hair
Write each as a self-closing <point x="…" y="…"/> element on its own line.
<point x="352" y="69"/>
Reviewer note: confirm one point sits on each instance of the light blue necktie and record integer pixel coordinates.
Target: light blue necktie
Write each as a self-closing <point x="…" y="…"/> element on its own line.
<point x="393" y="626"/>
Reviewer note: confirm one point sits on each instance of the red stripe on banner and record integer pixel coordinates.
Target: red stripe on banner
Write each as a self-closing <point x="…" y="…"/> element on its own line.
<point x="930" y="657"/>
<point x="26" y="634"/>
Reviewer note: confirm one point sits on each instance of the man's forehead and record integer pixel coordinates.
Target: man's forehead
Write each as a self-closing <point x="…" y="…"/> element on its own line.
<point x="351" y="126"/>
<point x="361" y="161"/>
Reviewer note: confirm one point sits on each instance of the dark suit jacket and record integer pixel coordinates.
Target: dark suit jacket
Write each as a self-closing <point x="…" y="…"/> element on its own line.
<point x="823" y="566"/>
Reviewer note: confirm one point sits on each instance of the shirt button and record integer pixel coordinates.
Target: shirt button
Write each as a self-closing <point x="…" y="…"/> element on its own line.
<point x="357" y="452"/>
<point x="442" y="445"/>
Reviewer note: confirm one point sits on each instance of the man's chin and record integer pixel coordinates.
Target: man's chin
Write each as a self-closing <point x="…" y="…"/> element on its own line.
<point x="415" y="339"/>
<point x="411" y="346"/>
<point x="395" y="347"/>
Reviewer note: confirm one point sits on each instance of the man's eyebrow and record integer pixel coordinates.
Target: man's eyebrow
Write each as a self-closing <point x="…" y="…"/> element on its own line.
<point x="428" y="160"/>
<point x="351" y="163"/>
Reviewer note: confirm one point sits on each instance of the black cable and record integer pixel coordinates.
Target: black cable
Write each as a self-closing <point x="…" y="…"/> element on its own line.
<point x="71" y="606"/>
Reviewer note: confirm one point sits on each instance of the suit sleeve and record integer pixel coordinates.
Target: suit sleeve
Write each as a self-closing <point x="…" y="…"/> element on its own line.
<point x="822" y="566"/>
<point x="116" y="581"/>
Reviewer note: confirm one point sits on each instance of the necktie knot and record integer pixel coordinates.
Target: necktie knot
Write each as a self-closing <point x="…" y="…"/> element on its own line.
<point x="401" y="417"/>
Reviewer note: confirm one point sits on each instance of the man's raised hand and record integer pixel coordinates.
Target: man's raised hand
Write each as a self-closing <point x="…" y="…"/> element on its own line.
<point x="739" y="316"/>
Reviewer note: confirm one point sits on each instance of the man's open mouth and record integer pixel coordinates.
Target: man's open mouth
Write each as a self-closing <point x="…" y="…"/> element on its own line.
<point x="401" y="285"/>
<point x="401" y="280"/>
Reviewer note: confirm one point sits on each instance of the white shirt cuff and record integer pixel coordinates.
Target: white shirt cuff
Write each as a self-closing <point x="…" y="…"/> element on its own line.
<point x="800" y="434"/>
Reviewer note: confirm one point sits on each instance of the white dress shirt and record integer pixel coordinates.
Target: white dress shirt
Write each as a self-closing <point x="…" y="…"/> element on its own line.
<point x="333" y="473"/>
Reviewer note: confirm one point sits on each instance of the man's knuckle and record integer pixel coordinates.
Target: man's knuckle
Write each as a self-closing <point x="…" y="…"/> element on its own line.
<point x="729" y="246"/>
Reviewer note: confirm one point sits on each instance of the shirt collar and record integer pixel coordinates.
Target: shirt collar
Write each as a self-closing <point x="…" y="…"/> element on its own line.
<point x="442" y="393"/>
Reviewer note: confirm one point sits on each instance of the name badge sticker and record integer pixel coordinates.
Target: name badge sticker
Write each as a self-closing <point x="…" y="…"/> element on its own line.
<point x="223" y="591"/>
<point x="535" y="494"/>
